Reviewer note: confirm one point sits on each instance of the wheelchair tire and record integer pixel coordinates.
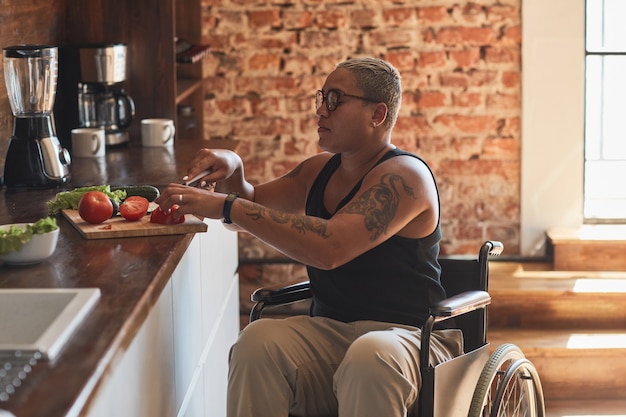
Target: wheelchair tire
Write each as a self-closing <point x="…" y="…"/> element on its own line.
<point x="508" y="386"/>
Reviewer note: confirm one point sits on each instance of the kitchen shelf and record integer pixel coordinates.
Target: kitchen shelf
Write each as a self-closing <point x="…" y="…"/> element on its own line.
<point x="186" y="87"/>
<point x="158" y="84"/>
<point x="189" y="75"/>
<point x="188" y="53"/>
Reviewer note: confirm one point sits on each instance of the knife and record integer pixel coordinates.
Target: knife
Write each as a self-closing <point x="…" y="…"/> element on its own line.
<point x="194" y="181"/>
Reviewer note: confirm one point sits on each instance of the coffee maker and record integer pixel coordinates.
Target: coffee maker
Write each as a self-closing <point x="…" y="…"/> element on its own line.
<point x="35" y="158"/>
<point x="91" y="93"/>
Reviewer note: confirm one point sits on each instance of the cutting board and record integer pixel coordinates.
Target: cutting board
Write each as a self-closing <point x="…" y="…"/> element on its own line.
<point x="120" y="227"/>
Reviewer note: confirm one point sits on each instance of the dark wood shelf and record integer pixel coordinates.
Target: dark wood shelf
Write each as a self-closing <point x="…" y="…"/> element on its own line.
<point x="157" y="83"/>
<point x="186" y="87"/>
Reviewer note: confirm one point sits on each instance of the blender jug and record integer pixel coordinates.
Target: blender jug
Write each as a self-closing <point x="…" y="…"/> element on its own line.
<point x="31" y="76"/>
<point x="35" y="157"/>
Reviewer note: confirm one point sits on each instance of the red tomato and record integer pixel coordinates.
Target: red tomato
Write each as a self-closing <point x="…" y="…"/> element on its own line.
<point x="159" y="216"/>
<point x="95" y="207"/>
<point x="134" y="208"/>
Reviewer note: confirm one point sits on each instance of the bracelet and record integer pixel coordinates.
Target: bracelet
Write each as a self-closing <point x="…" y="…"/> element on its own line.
<point x="228" y="204"/>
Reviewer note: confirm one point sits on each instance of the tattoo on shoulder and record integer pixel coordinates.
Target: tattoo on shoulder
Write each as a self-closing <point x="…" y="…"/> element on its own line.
<point x="379" y="203"/>
<point x="302" y="224"/>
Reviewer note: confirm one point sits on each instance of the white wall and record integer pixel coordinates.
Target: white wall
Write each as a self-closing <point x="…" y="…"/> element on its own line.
<point x="552" y="119"/>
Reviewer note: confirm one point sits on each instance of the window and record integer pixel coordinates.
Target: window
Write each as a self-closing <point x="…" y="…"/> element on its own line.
<point x="605" y="112"/>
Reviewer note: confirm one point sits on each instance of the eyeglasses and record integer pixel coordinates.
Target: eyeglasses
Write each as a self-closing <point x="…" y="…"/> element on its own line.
<point x="331" y="99"/>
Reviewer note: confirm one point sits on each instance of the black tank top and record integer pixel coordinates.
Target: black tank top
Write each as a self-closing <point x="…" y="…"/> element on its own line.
<point x="394" y="282"/>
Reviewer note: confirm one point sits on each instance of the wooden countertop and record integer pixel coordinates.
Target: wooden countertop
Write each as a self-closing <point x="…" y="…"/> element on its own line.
<point x="130" y="272"/>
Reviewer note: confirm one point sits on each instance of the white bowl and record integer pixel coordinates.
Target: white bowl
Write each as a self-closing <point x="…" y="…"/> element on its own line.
<point x="39" y="248"/>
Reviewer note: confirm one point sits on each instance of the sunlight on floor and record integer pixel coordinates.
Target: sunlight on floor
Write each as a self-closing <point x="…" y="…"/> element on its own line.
<point x="586" y="408"/>
<point x="603" y="232"/>
<point x="597" y="341"/>
<point x="592" y="281"/>
<point x="600" y="285"/>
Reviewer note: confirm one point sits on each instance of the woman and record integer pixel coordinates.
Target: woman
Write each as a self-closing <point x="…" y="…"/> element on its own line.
<point x="364" y="217"/>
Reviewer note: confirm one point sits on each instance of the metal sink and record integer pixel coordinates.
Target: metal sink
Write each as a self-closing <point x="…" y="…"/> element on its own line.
<point x="42" y="319"/>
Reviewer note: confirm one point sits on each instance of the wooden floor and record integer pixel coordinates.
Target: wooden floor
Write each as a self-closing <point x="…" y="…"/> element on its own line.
<point x="572" y="326"/>
<point x="573" y="408"/>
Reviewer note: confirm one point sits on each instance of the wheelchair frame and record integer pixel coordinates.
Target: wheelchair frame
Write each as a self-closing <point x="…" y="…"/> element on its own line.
<point x="504" y="383"/>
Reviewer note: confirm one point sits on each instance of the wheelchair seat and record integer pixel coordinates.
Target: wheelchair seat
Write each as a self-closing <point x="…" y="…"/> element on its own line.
<point x="504" y="383"/>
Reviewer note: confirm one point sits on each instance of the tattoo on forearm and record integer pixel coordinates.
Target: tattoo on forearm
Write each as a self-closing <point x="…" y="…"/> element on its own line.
<point x="310" y="224"/>
<point x="301" y="223"/>
<point x="379" y="204"/>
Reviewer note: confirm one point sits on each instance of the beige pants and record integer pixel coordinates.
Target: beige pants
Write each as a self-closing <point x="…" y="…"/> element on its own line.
<point x="314" y="366"/>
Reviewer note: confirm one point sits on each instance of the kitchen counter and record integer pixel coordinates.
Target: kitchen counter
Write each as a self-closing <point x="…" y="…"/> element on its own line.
<point x="130" y="272"/>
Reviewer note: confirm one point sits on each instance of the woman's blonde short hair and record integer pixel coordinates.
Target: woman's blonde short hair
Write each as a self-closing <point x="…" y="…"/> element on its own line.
<point x="380" y="81"/>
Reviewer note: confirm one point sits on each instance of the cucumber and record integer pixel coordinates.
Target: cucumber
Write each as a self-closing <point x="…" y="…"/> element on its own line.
<point x="116" y="207"/>
<point x="148" y="191"/>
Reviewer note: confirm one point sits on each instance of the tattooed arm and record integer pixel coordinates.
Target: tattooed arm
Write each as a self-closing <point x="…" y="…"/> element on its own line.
<point x="397" y="198"/>
<point x="379" y="203"/>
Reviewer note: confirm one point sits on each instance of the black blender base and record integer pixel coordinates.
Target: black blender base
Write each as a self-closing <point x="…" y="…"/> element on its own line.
<point x="23" y="167"/>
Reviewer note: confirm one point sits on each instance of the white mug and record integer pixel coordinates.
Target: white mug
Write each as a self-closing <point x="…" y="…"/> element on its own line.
<point x="88" y="142"/>
<point x="157" y="132"/>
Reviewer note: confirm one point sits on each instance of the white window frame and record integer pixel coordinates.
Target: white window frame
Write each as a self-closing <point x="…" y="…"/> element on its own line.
<point x="605" y="100"/>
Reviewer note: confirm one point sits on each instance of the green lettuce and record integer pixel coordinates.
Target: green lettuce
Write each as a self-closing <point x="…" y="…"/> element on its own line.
<point x="15" y="237"/>
<point x="70" y="199"/>
<point x="45" y="225"/>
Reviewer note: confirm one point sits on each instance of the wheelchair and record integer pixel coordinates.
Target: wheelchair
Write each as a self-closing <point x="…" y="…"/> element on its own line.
<point x="501" y="384"/>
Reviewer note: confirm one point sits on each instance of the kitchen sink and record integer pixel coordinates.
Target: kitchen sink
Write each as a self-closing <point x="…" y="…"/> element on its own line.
<point x="42" y="319"/>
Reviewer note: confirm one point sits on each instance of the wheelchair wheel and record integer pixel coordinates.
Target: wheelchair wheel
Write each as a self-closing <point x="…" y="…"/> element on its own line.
<point x="508" y="386"/>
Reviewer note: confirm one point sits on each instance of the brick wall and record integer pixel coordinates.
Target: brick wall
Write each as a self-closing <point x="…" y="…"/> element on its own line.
<point x="460" y="63"/>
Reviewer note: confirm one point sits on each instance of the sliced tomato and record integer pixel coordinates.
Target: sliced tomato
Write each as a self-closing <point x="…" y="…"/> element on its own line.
<point x="134" y="208"/>
<point x="159" y="216"/>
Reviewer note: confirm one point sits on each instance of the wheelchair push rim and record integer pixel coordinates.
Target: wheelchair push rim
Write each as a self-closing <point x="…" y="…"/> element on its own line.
<point x="508" y="386"/>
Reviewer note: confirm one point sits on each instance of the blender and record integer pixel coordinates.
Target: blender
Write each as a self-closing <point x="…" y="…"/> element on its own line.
<point x="35" y="158"/>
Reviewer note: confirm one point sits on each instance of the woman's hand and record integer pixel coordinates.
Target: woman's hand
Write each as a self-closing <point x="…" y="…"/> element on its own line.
<point x="221" y="164"/>
<point x="192" y="200"/>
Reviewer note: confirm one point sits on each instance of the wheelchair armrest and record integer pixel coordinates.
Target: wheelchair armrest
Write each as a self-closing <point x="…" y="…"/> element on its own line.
<point x="460" y="304"/>
<point x="282" y="293"/>
<point x="457" y="305"/>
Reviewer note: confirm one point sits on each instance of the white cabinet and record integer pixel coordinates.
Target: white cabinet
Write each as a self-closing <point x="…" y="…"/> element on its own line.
<point x="177" y="363"/>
